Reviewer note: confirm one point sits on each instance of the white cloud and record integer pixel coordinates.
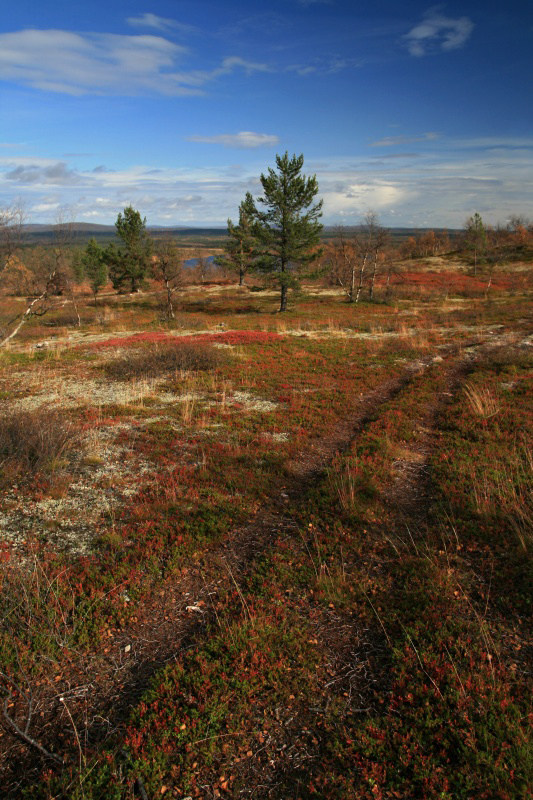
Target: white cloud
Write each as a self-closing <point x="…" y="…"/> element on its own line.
<point x="300" y="69"/>
<point x="244" y="140"/>
<point x="438" y="33"/>
<point x="229" y="65"/>
<point x="440" y="188"/>
<point x="104" y="63"/>
<point x="162" y="24"/>
<point x="58" y="174"/>
<point x="393" y="141"/>
<point x="355" y="198"/>
<point x="46" y="206"/>
<point x="151" y="21"/>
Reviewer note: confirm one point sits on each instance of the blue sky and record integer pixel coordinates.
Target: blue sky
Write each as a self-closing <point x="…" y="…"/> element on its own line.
<point x="421" y="113"/>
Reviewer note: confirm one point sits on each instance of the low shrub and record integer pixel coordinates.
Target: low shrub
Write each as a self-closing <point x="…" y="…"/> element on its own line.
<point x="36" y="441"/>
<point x="66" y="319"/>
<point x="165" y="357"/>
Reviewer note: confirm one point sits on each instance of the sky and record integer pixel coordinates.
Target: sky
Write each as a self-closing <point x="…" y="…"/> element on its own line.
<point x="421" y="113"/>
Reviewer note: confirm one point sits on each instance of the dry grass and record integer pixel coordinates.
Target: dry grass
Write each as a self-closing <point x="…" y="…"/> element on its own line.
<point x="481" y="401"/>
<point x="509" y="490"/>
<point x="344" y="485"/>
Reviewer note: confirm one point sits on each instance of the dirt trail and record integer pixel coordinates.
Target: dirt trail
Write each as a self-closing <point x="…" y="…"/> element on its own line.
<point x="99" y="689"/>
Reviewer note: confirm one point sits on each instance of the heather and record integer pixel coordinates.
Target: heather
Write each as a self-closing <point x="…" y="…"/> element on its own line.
<point x="252" y="554"/>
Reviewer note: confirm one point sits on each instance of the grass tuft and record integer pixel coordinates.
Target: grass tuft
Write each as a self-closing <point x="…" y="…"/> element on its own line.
<point x="481" y="401"/>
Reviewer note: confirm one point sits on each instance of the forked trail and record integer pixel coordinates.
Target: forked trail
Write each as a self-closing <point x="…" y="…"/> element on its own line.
<point x="99" y="689"/>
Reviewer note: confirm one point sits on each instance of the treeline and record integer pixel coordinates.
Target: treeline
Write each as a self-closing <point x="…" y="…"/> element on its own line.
<point x="41" y="273"/>
<point x="478" y="242"/>
<point x="278" y="237"/>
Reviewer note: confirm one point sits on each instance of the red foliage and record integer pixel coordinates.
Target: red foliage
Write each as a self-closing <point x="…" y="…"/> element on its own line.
<point x="237" y="337"/>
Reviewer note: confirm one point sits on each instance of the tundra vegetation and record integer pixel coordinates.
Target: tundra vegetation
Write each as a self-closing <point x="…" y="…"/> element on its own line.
<point x="252" y="554"/>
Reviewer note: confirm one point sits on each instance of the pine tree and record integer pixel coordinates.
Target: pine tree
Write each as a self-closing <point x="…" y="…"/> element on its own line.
<point x="129" y="264"/>
<point x="241" y="247"/>
<point x="476" y="237"/>
<point x="287" y="233"/>
<point x="94" y="266"/>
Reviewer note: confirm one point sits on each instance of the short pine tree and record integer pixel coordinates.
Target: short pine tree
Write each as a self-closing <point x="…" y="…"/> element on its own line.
<point x="241" y="247"/>
<point x="476" y="237"/>
<point x="94" y="266"/>
<point x="129" y="263"/>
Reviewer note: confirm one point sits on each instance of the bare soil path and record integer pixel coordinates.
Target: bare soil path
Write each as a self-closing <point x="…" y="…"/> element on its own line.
<point x="97" y="690"/>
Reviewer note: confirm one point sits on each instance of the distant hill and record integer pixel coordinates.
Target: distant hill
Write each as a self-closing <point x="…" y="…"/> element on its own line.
<point x="83" y="231"/>
<point x="188" y="236"/>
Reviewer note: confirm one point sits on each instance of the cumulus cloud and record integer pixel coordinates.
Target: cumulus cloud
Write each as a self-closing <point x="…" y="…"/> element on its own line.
<point x="245" y="140"/>
<point x="354" y="198"/>
<point x="393" y="141"/>
<point x="104" y="63"/>
<point x="437" y="33"/>
<point x="58" y="174"/>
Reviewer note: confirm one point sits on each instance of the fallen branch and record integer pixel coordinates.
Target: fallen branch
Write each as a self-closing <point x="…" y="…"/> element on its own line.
<point x="23" y="734"/>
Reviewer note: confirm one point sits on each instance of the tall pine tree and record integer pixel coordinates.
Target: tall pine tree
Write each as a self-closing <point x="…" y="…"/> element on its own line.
<point x="288" y="228"/>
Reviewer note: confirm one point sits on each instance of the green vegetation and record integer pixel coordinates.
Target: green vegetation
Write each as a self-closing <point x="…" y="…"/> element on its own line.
<point x="286" y="556"/>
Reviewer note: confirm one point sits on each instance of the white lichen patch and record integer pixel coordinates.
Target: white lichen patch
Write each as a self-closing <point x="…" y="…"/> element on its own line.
<point x="250" y="402"/>
<point x="72" y="519"/>
<point x="276" y="437"/>
<point x="71" y="393"/>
